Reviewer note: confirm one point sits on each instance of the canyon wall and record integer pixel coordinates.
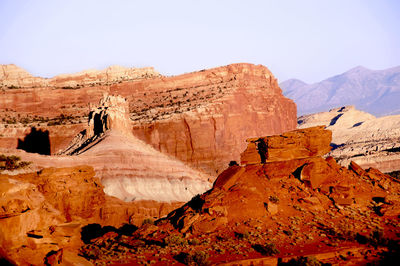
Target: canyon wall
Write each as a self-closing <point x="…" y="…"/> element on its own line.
<point x="200" y="118"/>
<point x="128" y="168"/>
<point x="211" y="113"/>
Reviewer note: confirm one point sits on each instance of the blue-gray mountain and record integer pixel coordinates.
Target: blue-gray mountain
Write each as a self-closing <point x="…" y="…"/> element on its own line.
<point x="374" y="91"/>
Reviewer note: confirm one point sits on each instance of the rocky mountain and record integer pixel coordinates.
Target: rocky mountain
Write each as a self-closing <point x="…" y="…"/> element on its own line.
<point x="360" y="137"/>
<point x="373" y="91"/>
<point x="200" y="118"/>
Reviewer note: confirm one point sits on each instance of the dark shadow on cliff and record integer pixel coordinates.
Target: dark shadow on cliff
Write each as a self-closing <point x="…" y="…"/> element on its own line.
<point x="335" y="119"/>
<point x="37" y="141"/>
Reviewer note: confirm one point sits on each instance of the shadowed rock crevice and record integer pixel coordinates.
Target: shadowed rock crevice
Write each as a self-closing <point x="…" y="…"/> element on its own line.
<point x="335" y="119"/>
<point x="37" y="141"/>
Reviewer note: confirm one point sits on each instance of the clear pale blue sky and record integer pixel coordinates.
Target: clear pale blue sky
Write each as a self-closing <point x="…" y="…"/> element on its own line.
<point x="308" y="39"/>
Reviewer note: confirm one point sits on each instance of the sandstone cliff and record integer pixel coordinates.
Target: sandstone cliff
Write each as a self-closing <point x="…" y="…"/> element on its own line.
<point x="360" y="137"/>
<point x="201" y="118"/>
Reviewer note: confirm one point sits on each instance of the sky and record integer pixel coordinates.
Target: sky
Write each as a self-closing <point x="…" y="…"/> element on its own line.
<point x="309" y="39"/>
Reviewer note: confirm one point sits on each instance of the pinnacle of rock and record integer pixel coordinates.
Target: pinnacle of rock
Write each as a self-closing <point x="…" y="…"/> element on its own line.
<point x="111" y="114"/>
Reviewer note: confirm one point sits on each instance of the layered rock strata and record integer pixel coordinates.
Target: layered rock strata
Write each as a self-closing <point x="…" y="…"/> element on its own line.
<point x="360" y="137"/>
<point x="225" y="105"/>
<point x="128" y="168"/>
<point x="200" y="118"/>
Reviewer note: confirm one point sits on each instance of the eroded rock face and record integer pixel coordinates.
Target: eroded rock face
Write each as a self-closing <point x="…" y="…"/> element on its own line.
<point x="200" y="118"/>
<point x="47" y="202"/>
<point x="13" y="77"/>
<point x="128" y="168"/>
<point x="45" y="211"/>
<point x="112" y="113"/>
<point x="225" y="105"/>
<point x="360" y="137"/>
<point x="296" y="144"/>
<point x="261" y="191"/>
<point x="311" y="202"/>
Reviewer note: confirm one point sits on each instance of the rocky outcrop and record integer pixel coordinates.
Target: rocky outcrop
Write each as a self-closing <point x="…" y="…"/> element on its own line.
<point x="360" y="137"/>
<point x="200" y="118"/>
<point x="254" y="190"/>
<point x="41" y="214"/>
<point x="297" y="144"/>
<point x="13" y="77"/>
<point x="112" y="112"/>
<point x="44" y="211"/>
<point x="298" y="206"/>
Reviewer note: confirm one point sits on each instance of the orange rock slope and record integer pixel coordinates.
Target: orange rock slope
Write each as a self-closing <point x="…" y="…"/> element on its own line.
<point x="256" y="213"/>
<point x="44" y="212"/>
<point x="201" y="118"/>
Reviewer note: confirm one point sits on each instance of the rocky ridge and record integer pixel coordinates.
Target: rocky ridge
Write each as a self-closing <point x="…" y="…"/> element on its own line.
<point x="14" y="77"/>
<point x="360" y="137"/>
<point x="373" y="91"/>
<point x="297" y="206"/>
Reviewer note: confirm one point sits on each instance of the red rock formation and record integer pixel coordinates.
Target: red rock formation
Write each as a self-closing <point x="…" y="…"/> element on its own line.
<point x="297" y="144"/>
<point x="128" y="168"/>
<point x="242" y="191"/>
<point x="240" y="101"/>
<point x="14" y="77"/>
<point x="201" y="118"/>
<point x="44" y="211"/>
<point x="300" y="207"/>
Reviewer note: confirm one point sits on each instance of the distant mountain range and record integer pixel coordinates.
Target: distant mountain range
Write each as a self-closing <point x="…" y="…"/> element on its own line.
<point x="374" y="91"/>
